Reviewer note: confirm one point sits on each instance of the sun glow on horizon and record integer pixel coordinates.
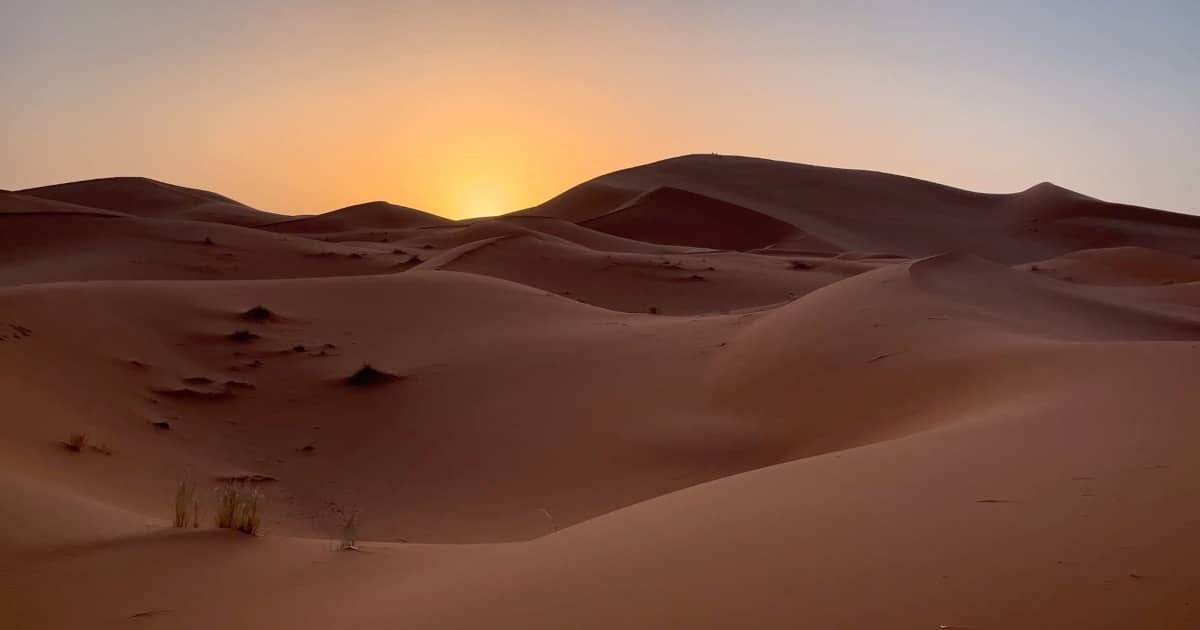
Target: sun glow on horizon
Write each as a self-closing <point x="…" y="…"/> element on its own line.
<point x="482" y="198"/>
<point x="485" y="108"/>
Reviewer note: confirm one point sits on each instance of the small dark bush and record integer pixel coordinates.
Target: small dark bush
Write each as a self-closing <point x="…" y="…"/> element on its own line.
<point x="258" y="314"/>
<point x="242" y="336"/>
<point x="367" y="375"/>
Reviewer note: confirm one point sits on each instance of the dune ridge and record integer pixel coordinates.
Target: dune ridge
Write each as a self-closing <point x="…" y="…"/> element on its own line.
<point x="706" y="392"/>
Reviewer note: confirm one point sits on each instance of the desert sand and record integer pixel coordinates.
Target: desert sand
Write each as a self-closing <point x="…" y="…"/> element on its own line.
<point x="708" y="392"/>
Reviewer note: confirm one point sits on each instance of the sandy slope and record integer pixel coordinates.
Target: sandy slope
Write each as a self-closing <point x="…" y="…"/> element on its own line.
<point x="655" y="216"/>
<point x="671" y="284"/>
<point x="869" y="211"/>
<point x="373" y="215"/>
<point x="815" y="433"/>
<point x="153" y="199"/>
<point x="44" y="241"/>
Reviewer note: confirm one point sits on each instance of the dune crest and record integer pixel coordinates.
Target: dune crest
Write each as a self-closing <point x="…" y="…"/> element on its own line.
<point x="706" y="392"/>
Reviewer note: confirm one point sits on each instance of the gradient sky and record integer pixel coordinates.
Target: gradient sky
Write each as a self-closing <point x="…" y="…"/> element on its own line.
<point x="469" y="108"/>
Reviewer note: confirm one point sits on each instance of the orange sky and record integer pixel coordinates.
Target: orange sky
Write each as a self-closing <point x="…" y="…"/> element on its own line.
<point x="470" y="108"/>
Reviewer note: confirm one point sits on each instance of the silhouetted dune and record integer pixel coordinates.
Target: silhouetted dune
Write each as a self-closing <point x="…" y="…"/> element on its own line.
<point x="854" y="210"/>
<point x="373" y="215"/>
<point x="153" y="199"/>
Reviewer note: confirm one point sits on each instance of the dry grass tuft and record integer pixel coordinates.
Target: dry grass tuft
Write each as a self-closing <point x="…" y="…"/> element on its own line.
<point x="349" y="540"/>
<point x="187" y="505"/>
<point x="237" y="508"/>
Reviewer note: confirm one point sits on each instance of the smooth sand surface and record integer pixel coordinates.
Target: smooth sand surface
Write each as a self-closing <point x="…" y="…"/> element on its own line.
<point x="708" y="392"/>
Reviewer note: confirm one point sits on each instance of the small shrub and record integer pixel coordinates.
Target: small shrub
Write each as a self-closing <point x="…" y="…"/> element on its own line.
<point x="242" y="336"/>
<point x="800" y="265"/>
<point x="653" y="310"/>
<point x="258" y="314"/>
<point x="76" y="442"/>
<point x="367" y="375"/>
<point x="187" y="505"/>
<point x="237" y="508"/>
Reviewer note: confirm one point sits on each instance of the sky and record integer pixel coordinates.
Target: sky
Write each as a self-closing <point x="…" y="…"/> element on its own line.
<point x="477" y="108"/>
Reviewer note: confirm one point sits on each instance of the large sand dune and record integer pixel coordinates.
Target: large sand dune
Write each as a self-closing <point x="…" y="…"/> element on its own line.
<point x="149" y="198"/>
<point x="869" y="211"/>
<point x="707" y="392"/>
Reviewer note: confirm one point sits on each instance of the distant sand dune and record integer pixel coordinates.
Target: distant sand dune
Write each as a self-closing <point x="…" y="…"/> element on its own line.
<point x="153" y="199"/>
<point x="708" y="392"/>
<point x="361" y="217"/>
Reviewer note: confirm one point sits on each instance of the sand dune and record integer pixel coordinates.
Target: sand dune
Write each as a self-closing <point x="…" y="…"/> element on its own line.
<point x="58" y="246"/>
<point x="363" y="217"/>
<point x="709" y="392"/>
<point x="669" y="284"/>
<point x="678" y="217"/>
<point x="15" y="203"/>
<point x="1126" y="266"/>
<point x="868" y="211"/>
<point x="153" y="199"/>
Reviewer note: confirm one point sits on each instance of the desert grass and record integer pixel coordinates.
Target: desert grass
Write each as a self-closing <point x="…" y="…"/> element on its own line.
<point x="349" y="540"/>
<point x="187" y="505"/>
<point x="550" y="519"/>
<point x="238" y="507"/>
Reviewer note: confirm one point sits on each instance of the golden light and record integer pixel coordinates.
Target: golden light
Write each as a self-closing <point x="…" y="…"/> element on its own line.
<point x="481" y="196"/>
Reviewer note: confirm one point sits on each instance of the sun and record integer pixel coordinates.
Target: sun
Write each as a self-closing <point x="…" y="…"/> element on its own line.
<point x="483" y="197"/>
